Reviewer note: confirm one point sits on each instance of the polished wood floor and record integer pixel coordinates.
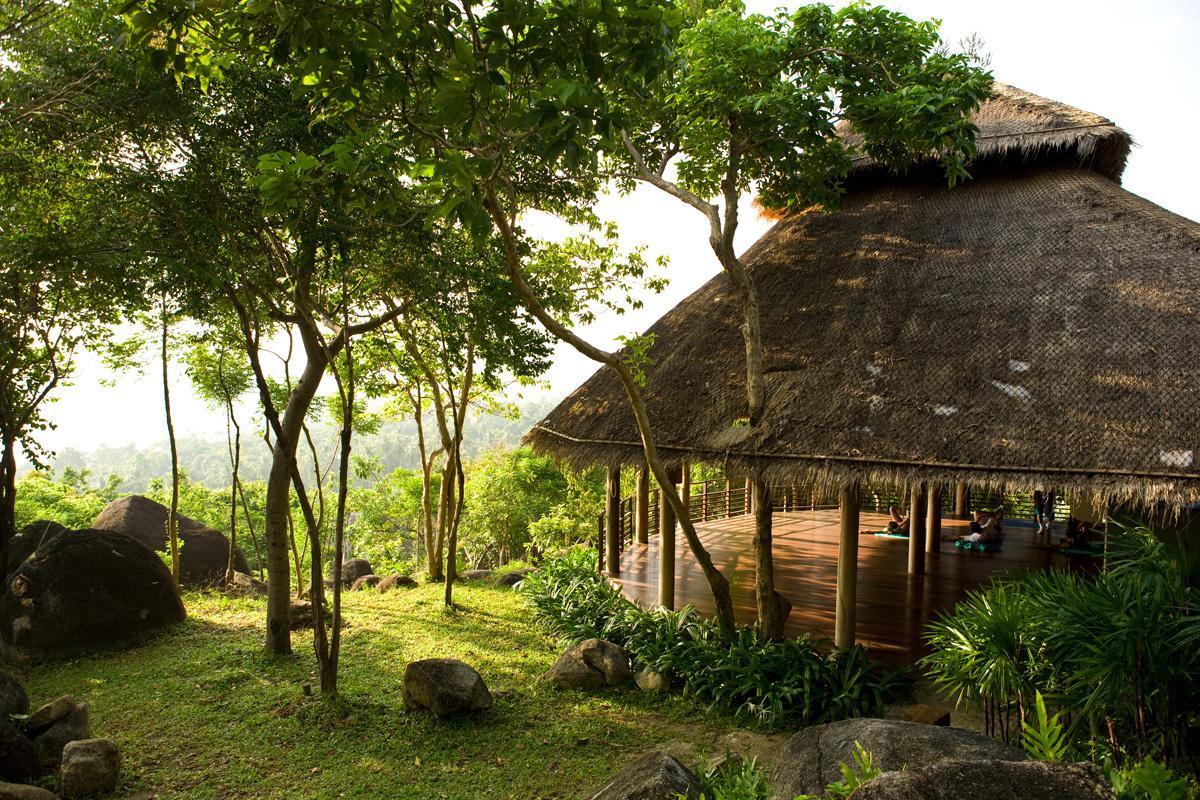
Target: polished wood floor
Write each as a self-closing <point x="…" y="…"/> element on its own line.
<point x="893" y="607"/>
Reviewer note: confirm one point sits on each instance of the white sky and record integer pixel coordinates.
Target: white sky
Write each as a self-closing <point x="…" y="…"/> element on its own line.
<point x="1137" y="63"/>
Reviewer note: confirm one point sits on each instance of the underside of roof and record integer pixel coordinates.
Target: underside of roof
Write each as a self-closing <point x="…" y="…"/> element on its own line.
<point x="1036" y="326"/>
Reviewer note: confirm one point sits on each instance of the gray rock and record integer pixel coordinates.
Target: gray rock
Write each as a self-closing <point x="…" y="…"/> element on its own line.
<point x="18" y="757"/>
<point x="19" y="791"/>
<point x="353" y="569"/>
<point x="29" y="539"/>
<point x="205" y="554"/>
<point x="809" y="761"/>
<point x="245" y="585"/>
<point x="591" y="664"/>
<point x="443" y="686"/>
<point x="650" y="681"/>
<point x="396" y="581"/>
<point x="475" y="575"/>
<point x="49" y="714"/>
<point x="654" y="776"/>
<point x="50" y="742"/>
<point x="514" y="577"/>
<point x="989" y="780"/>
<point x="366" y="582"/>
<point x="90" y="766"/>
<point x="13" y="699"/>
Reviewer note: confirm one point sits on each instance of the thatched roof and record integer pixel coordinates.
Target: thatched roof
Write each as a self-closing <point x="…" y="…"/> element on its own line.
<point x="1038" y="325"/>
<point x="1018" y="127"/>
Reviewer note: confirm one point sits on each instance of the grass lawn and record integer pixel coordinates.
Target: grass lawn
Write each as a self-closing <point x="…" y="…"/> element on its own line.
<point x="201" y="712"/>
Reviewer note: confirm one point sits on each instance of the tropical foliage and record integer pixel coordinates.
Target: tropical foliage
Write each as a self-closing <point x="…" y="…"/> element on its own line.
<point x="1116" y="651"/>
<point x="772" y="683"/>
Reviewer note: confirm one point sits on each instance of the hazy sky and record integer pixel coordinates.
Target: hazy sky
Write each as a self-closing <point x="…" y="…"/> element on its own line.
<point x="1137" y="63"/>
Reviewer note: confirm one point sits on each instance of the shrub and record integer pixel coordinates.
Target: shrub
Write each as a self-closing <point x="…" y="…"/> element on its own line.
<point x="1117" y="651"/>
<point x="771" y="683"/>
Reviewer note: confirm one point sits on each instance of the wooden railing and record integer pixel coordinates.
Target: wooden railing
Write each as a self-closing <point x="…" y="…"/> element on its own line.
<point x="707" y="501"/>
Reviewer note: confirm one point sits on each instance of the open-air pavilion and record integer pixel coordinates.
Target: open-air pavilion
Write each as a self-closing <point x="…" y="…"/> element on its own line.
<point x="1035" y="327"/>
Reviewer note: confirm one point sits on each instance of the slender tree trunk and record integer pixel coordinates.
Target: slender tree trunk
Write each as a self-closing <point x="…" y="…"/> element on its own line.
<point x="773" y="608"/>
<point x="329" y="677"/>
<point x="235" y="463"/>
<point x="718" y="584"/>
<point x="258" y="556"/>
<point x="8" y="500"/>
<point x="433" y="568"/>
<point x="173" y="511"/>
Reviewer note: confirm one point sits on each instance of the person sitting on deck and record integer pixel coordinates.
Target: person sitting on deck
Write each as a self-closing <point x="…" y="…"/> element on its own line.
<point x="1081" y="537"/>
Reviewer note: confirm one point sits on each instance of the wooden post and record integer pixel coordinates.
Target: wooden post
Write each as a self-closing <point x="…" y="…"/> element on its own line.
<point x="685" y="487"/>
<point x="612" y="521"/>
<point x="728" y="503"/>
<point x="642" y="527"/>
<point x="748" y="499"/>
<point x="704" y="501"/>
<point x="666" y="552"/>
<point x="847" y="570"/>
<point x="962" y="499"/>
<point x="933" y="519"/>
<point x="916" y="531"/>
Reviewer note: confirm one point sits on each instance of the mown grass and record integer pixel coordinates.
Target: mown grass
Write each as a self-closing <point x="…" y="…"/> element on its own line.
<point x="202" y="712"/>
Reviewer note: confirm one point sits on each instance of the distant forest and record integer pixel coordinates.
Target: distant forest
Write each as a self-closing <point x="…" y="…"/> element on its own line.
<point x="206" y="460"/>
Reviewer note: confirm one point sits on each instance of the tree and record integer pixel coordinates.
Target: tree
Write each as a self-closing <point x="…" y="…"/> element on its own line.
<point x="62" y="242"/>
<point x="754" y="103"/>
<point x="497" y="111"/>
<point x="220" y="374"/>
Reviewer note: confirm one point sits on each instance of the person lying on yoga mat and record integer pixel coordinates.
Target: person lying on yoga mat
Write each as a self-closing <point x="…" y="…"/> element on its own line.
<point x="897" y="525"/>
<point x="1081" y="536"/>
<point x="985" y="528"/>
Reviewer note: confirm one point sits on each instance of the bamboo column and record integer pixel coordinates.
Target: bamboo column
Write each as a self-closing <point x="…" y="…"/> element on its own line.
<point x="666" y="552"/>
<point x="933" y="519"/>
<point x="642" y="525"/>
<point x="847" y="569"/>
<point x="962" y="499"/>
<point x="916" y="531"/>
<point x="612" y="521"/>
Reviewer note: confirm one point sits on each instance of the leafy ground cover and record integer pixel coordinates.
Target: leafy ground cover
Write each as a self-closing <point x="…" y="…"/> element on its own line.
<point x="200" y="712"/>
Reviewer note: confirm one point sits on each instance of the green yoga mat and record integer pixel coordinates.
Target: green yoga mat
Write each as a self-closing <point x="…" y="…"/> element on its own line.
<point x="978" y="547"/>
<point x="887" y="535"/>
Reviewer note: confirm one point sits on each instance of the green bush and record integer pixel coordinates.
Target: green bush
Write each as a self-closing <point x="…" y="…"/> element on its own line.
<point x="771" y="683"/>
<point x="1118" y="652"/>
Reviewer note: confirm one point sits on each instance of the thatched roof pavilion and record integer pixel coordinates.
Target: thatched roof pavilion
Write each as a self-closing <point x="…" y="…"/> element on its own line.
<point x="1037" y="325"/>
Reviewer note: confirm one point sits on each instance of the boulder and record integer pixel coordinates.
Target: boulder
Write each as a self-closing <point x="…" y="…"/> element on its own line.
<point x="989" y="780"/>
<point x="49" y="743"/>
<point x="809" y="760"/>
<point x="443" y="686"/>
<point x="366" y="582"/>
<point x="353" y="569"/>
<point x="475" y="575"/>
<point x="591" y="664"/>
<point x="928" y="715"/>
<point x="396" y="582"/>
<point x="245" y="585"/>
<point x="19" y="791"/>
<point x="514" y="577"/>
<point x="50" y="713"/>
<point x="18" y="756"/>
<point x="654" y="776"/>
<point x="301" y="615"/>
<point x="13" y="699"/>
<point x="205" y="554"/>
<point x="650" y="681"/>
<point x="29" y="539"/>
<point x="89" y="767"/>
<point x="90" y="591"/>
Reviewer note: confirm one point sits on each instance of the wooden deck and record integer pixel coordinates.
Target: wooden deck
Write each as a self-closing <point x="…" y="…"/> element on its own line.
<point x="893" y="607"/>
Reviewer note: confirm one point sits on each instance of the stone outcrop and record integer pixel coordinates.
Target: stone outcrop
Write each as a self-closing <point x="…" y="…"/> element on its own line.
<point x="86" y="592"/>
<point x="444" y="686"/>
